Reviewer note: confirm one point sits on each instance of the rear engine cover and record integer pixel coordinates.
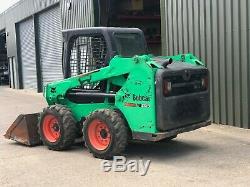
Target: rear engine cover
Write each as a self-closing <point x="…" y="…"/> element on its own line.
<point x="187" y="103"/>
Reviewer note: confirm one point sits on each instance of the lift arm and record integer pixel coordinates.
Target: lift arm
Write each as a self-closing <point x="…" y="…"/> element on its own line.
<point x="118" y="66"/>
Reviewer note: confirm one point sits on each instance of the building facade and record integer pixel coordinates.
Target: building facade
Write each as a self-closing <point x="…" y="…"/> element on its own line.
<point x="216" y="31"/>
<point x="34" y="40"/>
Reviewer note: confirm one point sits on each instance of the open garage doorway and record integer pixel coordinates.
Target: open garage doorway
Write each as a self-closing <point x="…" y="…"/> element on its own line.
<point x="4" y="67"/>
<point x="142" y="14"/>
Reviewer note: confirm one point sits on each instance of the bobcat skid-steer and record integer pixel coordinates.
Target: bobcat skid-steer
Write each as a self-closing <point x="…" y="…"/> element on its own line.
<point x="114" y="93"/>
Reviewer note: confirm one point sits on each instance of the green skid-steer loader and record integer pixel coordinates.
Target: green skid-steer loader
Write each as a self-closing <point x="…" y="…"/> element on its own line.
<point x="114" y="92"/>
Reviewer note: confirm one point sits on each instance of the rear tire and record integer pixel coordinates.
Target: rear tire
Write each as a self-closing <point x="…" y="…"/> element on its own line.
<point x="57" y="128"/>
<point x="105" y="133"/>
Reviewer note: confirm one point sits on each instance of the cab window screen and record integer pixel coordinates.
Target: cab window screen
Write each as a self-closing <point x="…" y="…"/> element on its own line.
<point x="87" y="54"/>
<point x="129" y="44"/>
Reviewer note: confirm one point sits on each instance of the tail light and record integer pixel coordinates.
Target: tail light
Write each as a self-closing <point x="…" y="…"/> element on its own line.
<point x="204" y="83"/>
<point x="167" y="87"/>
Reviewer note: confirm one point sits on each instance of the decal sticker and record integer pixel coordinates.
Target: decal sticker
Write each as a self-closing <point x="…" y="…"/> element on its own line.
<point x="130" y="104"/>
<point x="143" y="105"/>
<point x="137" y="105"/>
<point x="140" y="98"/>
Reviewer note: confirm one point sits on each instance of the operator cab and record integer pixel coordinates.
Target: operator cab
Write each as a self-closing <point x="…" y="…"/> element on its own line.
<point x="92" y="48"/>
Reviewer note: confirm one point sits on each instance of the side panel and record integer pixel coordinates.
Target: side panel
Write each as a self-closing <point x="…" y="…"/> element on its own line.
<point x="136" y="98"/>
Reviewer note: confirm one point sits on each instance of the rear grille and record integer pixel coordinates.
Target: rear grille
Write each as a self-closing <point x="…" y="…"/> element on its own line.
<point x="179" y="86"/>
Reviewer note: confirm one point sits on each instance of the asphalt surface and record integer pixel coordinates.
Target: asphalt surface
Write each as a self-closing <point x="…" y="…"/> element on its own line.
<point x="212" y="156"/>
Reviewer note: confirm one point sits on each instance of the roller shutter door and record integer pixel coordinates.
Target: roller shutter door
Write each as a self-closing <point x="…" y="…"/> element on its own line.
<point x="50" y="44"/>
<point x="27" y="54"/>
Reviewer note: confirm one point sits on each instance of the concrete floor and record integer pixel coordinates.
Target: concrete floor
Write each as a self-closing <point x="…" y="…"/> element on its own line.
<point x="211" y="156"/>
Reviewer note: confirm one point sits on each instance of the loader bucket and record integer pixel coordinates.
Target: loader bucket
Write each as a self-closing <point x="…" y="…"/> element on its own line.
<point x="24" y="130"/>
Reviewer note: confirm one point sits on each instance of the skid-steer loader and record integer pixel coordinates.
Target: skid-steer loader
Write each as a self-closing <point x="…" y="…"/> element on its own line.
<point x="114" y="92"/>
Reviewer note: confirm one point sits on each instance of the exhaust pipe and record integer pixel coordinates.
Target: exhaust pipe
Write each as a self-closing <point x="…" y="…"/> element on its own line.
<point x="24" y="130"/>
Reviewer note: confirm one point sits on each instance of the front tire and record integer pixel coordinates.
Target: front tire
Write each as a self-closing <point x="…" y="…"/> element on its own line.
<point x="57" y="128"/>
<point x="105" y="133"/>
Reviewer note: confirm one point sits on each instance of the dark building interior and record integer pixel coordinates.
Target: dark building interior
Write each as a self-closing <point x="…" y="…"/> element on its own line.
<point x="143" y="14"/>
<point x="4" y="68"/>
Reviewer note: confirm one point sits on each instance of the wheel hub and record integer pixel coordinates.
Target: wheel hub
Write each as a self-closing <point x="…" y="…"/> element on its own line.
<point x="56" y="127"/>
<point x="99" y="135"/>
<point x="104" y="133"/>
<point x="51" y="128"/>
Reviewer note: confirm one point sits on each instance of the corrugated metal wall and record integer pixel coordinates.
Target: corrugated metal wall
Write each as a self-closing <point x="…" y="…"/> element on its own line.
<point x="50" y="45"/>
<point x="218" y="31"/>
<point x="26" y="40"/>
<point x="77" y="13"/>
<point x="80" y="14"/>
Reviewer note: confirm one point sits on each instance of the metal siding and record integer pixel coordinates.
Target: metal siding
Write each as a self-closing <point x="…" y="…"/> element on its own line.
<point x="215" y="52"/>
<point x="248" y="58"/>
<point x="11" y="72"/>
<point x="218" y="32"/>
<point x="80" y="15"/>
<point x="229" y="63"/>
<point x="174" y="26"/>
<point x="17" y="13"/>
<point x="208" y="42"/>
<point x="202" y="29"/>
<point x="164" y="21"/>
<point x="244" y="64"/>
<point x="50" y="45"/>
<point x="236" y="63"/>
<point x="185" y="26"/>
<point x="15" y="72"/>
<point x="169" y="10"/>
<point x="27" y="53"/>
<point x="196" y="27"/>
<point x="222" y="72"/>
<point x="180" y="26"/>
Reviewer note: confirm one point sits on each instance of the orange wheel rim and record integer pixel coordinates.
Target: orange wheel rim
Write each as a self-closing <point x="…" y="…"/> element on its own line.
<point x="51" y="128"/>
<point x="99" y="135"/>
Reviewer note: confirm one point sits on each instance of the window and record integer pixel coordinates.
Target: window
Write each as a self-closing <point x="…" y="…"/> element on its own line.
<point x="129" y="44"/>
<point x="87" y="54"/>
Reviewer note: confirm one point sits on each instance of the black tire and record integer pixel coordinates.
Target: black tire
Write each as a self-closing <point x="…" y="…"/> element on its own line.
<point x="67" y="127"/>
<point x="118" y="131"/>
